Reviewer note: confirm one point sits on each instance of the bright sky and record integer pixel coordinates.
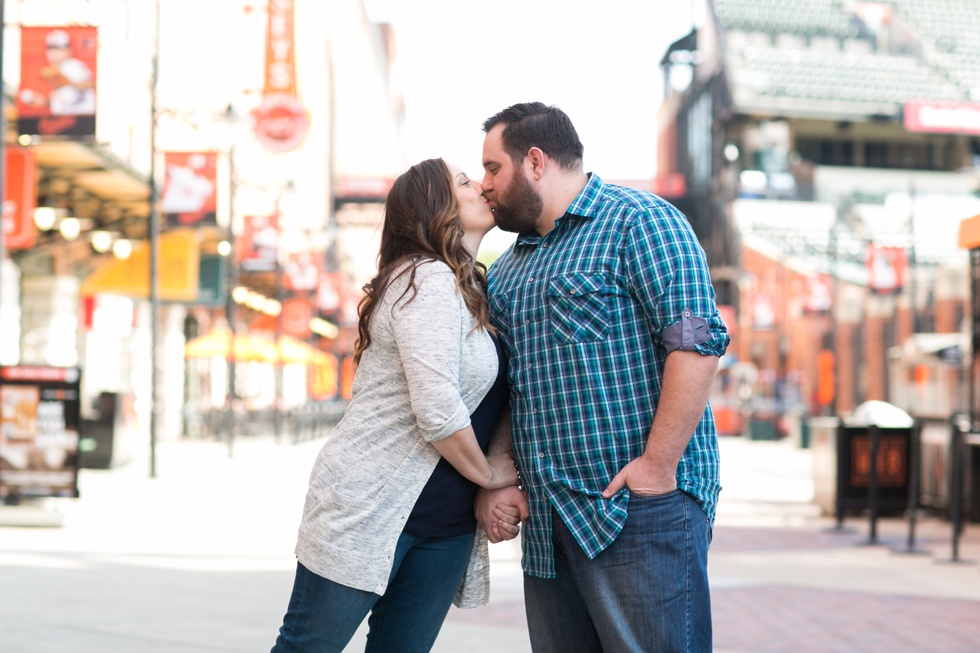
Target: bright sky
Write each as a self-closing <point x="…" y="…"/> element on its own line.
<point x="461" y="62"/>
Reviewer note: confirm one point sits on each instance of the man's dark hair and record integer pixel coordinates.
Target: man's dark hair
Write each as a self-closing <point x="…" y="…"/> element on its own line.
<point x="535" y="124"/>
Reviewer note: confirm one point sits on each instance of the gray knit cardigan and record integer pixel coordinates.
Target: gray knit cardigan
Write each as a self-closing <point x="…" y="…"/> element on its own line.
<point x="422" y="376"/>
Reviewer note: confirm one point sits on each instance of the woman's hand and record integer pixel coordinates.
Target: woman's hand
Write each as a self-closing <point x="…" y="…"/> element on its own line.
<point x="507" y="522"/>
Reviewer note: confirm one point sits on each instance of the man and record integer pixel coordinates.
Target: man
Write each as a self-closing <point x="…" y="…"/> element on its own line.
<point x="605" y="307"/>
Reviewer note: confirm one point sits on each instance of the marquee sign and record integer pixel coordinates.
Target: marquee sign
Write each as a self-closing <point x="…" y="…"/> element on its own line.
<point x="280" y="121"/>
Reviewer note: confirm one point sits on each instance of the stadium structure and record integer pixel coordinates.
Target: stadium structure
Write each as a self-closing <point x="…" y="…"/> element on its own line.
<point x="827" y="153"/>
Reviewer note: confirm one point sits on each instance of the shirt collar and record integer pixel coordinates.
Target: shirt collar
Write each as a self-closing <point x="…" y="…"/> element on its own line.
<point x="585" y="205"/>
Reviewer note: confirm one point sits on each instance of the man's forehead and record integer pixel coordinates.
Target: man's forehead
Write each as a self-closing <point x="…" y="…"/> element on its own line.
<point x="493" y="146"/>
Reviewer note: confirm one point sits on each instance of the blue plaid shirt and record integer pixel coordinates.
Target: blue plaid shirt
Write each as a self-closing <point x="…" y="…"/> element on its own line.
<point x="587" y="315"/>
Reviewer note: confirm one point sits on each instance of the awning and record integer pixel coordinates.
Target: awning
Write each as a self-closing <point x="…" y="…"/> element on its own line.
<point x="255" y="347"/>
<point x="97" y="171"/>
<point x="217" y="342"/>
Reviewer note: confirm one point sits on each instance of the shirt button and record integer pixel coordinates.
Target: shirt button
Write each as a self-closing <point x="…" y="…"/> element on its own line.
<point x="540" y="455"/>
<point x="687" y="313"/>
<point x="530" y="279"/>
<point x="526" y="322"/>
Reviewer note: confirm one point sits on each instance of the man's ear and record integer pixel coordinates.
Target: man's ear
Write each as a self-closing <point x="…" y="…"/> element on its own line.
<point x="538" y="161"/>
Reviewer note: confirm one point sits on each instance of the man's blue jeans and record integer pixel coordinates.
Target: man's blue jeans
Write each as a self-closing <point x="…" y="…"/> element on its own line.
<point x="647" y="592"/>
<point x="323" y="615"/>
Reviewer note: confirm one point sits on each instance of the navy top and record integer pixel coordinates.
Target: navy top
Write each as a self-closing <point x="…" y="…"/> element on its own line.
<point x="445" y="507"/>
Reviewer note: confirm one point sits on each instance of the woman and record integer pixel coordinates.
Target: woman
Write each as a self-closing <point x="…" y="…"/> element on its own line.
<point x="388" y="526"/>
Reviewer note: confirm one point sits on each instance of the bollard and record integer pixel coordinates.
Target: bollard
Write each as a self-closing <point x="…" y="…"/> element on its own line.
<point x="960" y="425"/>
<point x="873" y="494"/>
<point x="915" y="452"/>
<point x="839" y="481"/>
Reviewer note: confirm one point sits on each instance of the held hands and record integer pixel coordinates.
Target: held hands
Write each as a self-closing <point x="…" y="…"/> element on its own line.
<point x="643" y="477"/>
<point x="500" y="512"/>
<point x="503" y="471"/>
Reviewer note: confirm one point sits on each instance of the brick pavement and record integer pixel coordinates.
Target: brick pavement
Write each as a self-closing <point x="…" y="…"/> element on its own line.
<point x="845" y="594"/>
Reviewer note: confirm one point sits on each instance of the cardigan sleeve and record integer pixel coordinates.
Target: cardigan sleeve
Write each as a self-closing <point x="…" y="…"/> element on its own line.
<point x="427" y="330"/>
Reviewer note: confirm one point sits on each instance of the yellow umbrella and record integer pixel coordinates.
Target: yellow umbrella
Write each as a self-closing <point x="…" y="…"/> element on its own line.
<point x="248" y="347"/>
<point x="294" y="350"/>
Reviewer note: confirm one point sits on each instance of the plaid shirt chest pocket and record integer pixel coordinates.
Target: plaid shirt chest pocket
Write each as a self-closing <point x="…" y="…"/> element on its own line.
<point x="577" y="307"/>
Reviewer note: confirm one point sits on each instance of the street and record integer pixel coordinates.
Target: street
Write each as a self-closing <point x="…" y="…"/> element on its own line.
<point x="200" y="559"/>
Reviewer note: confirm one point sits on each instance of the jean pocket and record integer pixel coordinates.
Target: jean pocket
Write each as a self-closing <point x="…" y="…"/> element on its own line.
<point x="578" y="310"/>
<point x="653" y="497"/>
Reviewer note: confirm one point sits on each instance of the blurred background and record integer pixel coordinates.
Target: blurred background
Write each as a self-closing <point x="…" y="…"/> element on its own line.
<point x="193" y="194"/>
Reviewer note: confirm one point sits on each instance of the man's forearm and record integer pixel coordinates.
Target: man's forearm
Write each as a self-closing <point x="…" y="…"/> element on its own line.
<point x="687" y="381"/>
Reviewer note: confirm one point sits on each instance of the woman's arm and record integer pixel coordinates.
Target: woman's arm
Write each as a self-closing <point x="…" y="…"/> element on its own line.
<point x="463" y="452"/>
<point x="501" y="512"/>
<point x="427" y="333"/>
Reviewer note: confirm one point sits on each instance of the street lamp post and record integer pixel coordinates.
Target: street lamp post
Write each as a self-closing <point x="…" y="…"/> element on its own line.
<point x="231" y="274"/>
<point x="154" y="238"/>
<point x="277" y="272"/>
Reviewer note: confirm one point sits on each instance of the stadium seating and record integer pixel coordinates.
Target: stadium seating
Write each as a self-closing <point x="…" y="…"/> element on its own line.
<point x="820" y="50"/>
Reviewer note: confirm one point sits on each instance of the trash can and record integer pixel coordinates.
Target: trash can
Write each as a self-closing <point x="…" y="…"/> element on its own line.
<point x="853" y="444"/>
<point x="762" y="427"/>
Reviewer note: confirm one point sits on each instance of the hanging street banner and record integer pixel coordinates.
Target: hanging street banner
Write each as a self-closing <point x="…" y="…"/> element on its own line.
<point x="301" y="272"/>
<point x="280" y="121"/>
<point x="189" y="198"/>
<point x="259" y="243"/>
<point x="20" y="197"/>
<point x="39" y="431"/>
<point x="57" y="81"/>
<point x="886" y="269"/>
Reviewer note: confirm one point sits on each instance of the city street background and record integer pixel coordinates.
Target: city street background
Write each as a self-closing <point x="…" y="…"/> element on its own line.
<point x="200" y="559"/>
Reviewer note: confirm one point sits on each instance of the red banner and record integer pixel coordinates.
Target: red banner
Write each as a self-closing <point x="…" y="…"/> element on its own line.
<point x="296" y="316"/>
<point x="332" y="291"/>
<point x="886" y="270"/>
<point x="20" y="198"/>
<point x="280" y="121"/>
<point x="57" y="81"/>
<point x="301" y="272"/>
<point x="259" y="243"/>
<point x="819" y="294"/>
<point x="189" y="198"/>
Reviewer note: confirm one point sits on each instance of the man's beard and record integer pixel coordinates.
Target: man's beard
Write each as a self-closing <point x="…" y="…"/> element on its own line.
<point x="521" y="208"/>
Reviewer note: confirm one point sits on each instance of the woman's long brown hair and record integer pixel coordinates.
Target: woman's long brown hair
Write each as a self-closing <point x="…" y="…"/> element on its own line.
<point x="421" y="224"/>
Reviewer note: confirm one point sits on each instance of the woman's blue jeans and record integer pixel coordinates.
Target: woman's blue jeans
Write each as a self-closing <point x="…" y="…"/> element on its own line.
<point x="647" y="591"/>
<point x="323" y="615"/>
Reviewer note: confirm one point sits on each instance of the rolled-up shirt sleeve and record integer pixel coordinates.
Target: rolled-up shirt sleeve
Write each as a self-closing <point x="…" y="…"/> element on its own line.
<point x="427" y="333"/>
<point x="668" y="273"/>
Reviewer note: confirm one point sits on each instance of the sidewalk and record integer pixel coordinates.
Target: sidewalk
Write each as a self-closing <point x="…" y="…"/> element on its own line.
<point x="784" y="579"/>
<point x="200" y="559"/>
